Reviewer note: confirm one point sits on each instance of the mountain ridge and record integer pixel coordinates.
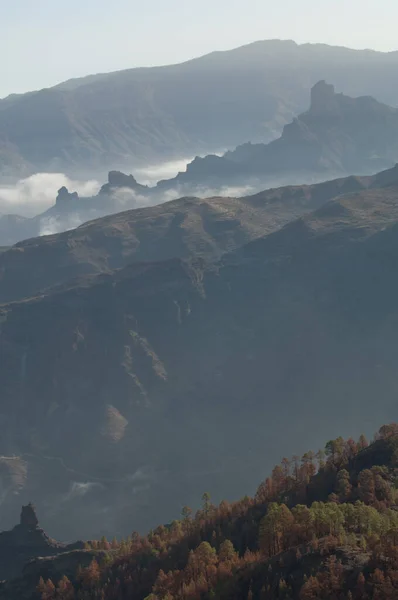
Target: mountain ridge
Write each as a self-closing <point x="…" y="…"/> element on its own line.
<point x="146" y="116"/>
<point x="337" y="134"/>
<point x="183" y="227"/>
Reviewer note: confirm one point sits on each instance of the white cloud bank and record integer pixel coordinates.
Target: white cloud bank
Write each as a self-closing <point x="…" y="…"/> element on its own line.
<point x="36" y="193"/>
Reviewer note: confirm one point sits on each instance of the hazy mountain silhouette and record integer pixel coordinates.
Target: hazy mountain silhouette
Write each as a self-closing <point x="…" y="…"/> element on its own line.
<point x="337" y="135"/>
<point x="140" y="116"/>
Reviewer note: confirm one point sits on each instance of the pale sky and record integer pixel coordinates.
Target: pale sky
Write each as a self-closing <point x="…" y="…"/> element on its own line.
<point x="44" y="42"/>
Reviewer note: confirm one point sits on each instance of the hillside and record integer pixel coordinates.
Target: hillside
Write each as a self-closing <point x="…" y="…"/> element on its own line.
<point x="336" y="136"/>
<point x="182" y="228"/>
<point x="140" y="116"/>
<point x="321" y="526"/>
<point x="123" y="192"/>
<point x="141" y="365"/>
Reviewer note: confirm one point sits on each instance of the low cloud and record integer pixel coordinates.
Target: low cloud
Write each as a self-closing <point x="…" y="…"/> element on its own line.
<point x="33" y="195"/>
<point x="79" y="489"/>
<point x="51" y="225"/>
<point x="153" y="173"/>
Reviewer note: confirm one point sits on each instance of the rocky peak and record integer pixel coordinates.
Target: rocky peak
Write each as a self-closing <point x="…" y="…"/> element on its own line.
<point x="25" y="542"/>
<point x="29" y="518"/>
<point x="323" y="98"/>
<point x="64" y="196"/>
<point x="119" y="179"/>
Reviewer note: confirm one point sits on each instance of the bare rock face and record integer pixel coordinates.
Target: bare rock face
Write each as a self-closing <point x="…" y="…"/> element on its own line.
<point x="323" y="98"/>
<point x="118" y="180"/>
<point x="29" y="518"/>
<point x="65" y="197"/>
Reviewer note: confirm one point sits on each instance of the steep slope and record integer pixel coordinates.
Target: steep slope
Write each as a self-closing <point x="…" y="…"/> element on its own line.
<point x="158" y="369"/>
<point x="336" y="136"/>
<point x="321" y="526"/>
<point x="182" y="228"/>
<point x="122" y="119"/>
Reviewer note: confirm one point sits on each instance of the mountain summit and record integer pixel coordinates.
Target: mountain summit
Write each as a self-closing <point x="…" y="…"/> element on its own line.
<point x="336" y="136"/>
<point x="139" y="116"/>
<point x="323" y="97"/>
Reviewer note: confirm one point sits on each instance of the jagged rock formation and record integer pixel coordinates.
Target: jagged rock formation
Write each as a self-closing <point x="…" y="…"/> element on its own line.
<point x="323" y="99"/>
<point x="27" y="541"/>
<point x="64" y="198"/>
<point x="337" y="135"/>
<point x="29" y="518"/>
<point x="118" y="180"/>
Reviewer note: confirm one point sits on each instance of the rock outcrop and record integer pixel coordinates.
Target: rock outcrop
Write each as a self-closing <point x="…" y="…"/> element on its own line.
<point x="65" y="197"/>
<point x="118" y="180"/>
<point x="29" y="518"/>
<point x="323" y="98"/>
<point x="336" y="136"/>
<point x="27" y="541"/>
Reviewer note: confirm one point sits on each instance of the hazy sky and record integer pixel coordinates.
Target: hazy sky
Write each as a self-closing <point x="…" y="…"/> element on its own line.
<point x="43" y="42"/>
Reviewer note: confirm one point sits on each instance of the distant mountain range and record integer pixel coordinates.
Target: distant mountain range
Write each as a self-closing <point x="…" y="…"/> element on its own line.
<point x="139" y="116"/>
<point x="338" y="135"/>
<point x="157" y="340"/>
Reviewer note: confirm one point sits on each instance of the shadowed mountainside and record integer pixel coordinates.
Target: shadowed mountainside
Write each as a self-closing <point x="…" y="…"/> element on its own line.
<point x="157" y="369"/>
<point x="181" y="228"/>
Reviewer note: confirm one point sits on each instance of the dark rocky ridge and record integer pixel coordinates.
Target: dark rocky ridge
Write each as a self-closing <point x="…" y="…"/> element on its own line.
<point x="27" y="541"/>
<point x="118" y="180"/>
<point x="338" y="135"/>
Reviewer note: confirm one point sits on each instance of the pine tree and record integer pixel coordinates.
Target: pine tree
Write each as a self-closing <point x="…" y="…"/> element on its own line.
<point x="206" y="504"/>
<point x="227" y="551"/>
<point x="343" y="485"/>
